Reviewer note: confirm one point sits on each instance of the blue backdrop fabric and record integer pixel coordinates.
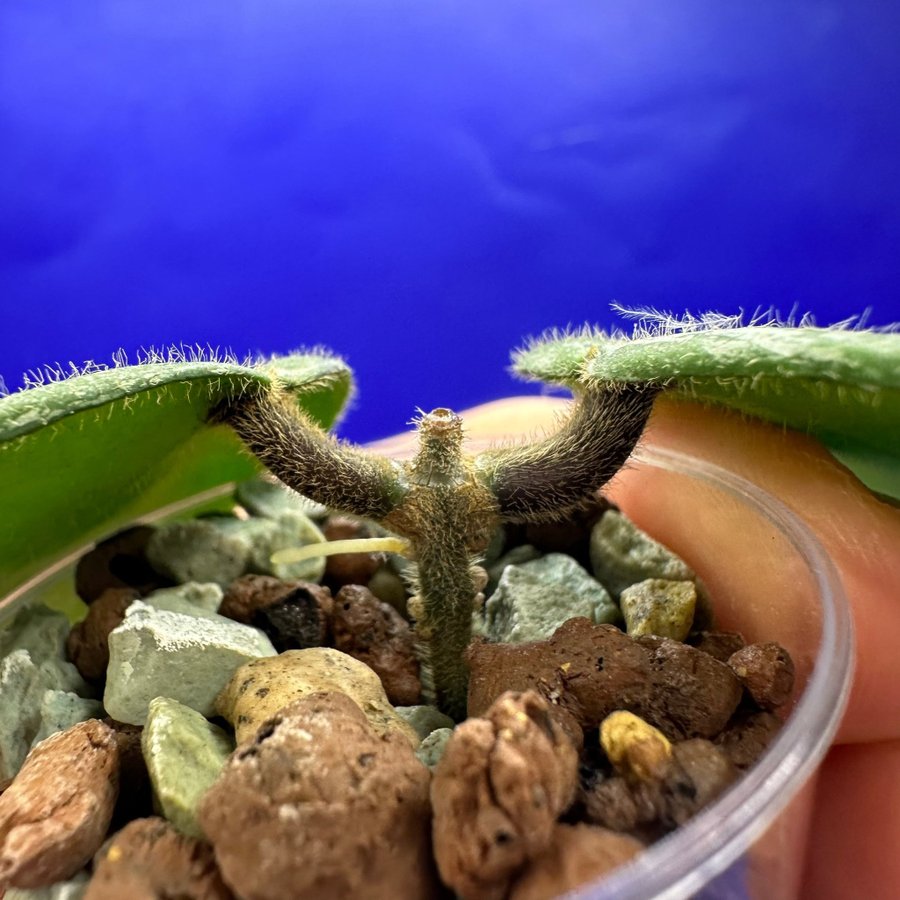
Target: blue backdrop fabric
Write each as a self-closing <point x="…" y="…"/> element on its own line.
<point x="420" y="185"/>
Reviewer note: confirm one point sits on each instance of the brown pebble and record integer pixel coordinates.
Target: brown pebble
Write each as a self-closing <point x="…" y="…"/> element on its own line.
<point x="118" y="562"/>
<point x="319" y="805"/>
<point x="616" y="804"/>
<point x="748" y="736"/>
<point x="718" y="644"/>
<point x="766" y="671"/>
<point x="577" y="855"/>
<point x="699" y="773"/>
<point x="376" y="634"/>
<point x="88" y="643"/>
<point x="55" y="813"/>
<point x="149" y="860"/>
<point x="593" y="670"/>
<point x="348" y="568"/>
<point x="498" y="790"/>
<point x="294" y="614"/>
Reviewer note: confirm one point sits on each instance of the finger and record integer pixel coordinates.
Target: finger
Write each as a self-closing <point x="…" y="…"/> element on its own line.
<point x="852" y="851"/>
<point x="859" y="532"/>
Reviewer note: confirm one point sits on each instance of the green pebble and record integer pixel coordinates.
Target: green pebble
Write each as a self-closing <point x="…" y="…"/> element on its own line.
<point x="198" y="550"/>
<point x="659" y="607"/>
<point x="622" y="555"/>
<point x="60" y="710"/>
<point x="432" y="748"/>
<point x="533" y="599"/>
<point x="191" y="599"/>
<point x="184" y="755"/>
<point x="522" y="554"/>
<point x="159" y="653"/>
<point x="424" y="719"/>
<point x="270" y="499"/>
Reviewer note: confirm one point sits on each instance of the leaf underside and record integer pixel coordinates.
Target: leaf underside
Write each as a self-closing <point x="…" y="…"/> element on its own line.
<point x="841" y="386"/>
<point x="82" y="456"/>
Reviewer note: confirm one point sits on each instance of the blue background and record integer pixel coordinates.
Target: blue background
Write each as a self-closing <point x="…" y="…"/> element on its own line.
<point x="420" y="184"/>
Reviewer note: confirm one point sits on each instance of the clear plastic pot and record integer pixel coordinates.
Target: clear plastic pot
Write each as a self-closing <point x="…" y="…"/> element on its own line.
<point x="750" y="842"/>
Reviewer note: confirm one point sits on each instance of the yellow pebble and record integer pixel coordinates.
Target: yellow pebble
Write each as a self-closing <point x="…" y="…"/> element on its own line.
<point x="634" y="747"/>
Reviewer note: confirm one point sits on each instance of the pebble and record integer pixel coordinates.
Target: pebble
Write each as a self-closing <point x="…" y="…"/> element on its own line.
<point x="149" y="860"/>
<point x="719" y="644"/>
<point x="660" y="607"/>
<point x="766" y="671"/>
<point x="576" y="855"/>
<point x="262" y="497"/>
<point x="522" y="554"/>
<point x="497" y="792"/>
<point x="63" y="890"/>
<point x="157" y="652"/>
<point x="197" y="550"/>
<point x="191" y="599"/>
<point x="425" y="719"/>
<point x="376" y="634"/>
<point x="345" y="812"/>
<point x="259" y="689"/>
<point x="136" y="799"/>
<point x="533" y="599"/>
<point x="88" y="642"/>
<point x="55" y="814"/>
<point x="592" y="670"/>
<point x="60" y="710"/>
<point x="389" y="587"/>
<point x="294" y="614"/>
<point x="634" y="747"/>
<point x="747" y="737"/>
<point x="622" y="555"/>
<point x="431" y="750"/>
<point x="118" y="562"/>
<point x="184" y="754"/>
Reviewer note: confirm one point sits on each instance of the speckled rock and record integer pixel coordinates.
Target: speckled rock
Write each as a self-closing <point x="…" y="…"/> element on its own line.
<point x="424" y="719"/>
<point x="376" y="634"/>
<point x="622" y="555"/>
<point x="193" y="598"/>
<point x="149" y="860"/>
<point x="184" y="754"/>
<point x="87" y="644"/>
<point x="119" y="561"/>
<point x="258" y="690"/>
<point x="660" y="607"/>
<point x="431" y="750"/>
<point x="533" y="599"/>
<point x="55" y="813"/>
<point x="503" y="781"/>
<point x="73" y="889"/>
<point x="157" y="653"/>
<point x="60" y="710"/>
<point x="345" y="812"/>
<point x="576" y="856"/>
<point x="592" y="670"/>
<point x="766" y="671"/>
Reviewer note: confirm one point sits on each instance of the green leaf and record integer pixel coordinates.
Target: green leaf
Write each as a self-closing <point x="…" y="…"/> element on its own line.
<point x="840" y="385"/>
<point x="84" y="455"/>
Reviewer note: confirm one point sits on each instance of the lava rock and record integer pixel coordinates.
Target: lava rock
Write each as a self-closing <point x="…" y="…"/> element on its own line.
<point x="118" y="563"/>
<point x="576" y="855"/>
<point x="376" y="634"/>
<point x="344" y="811"/>
<point x="158" y="653"/>
<point x="533" y="599"/>
<point x="88" y="642"/>
<point x="660" y="607"/>
<point x="766" y="671"/>
<point x="747" y="737"/>
<point x="622" y="555"/>
<point x="184" y="754"/>
<point x="258" y="690"/>
<point x="149" y="860"/>
<point x="718" y="644"/>
<point x="54" y="815"/>
<point x="497" y="792"/>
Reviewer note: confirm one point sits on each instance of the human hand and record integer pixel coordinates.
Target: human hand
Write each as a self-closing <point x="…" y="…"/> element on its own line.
<point x="854" y="831"/>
